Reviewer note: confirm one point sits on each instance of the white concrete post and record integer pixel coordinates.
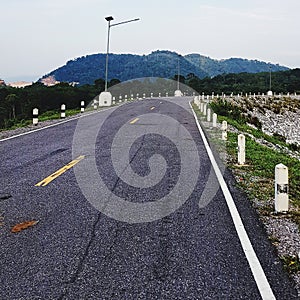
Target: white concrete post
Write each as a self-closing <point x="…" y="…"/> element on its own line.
<point x="125" y="98"/>
<point x="212" y="95"/>
<point x="63" y="111"/>
<point x="35" y="116"/>
<point x="281" y="188"/>
<point x="208" y="117"/>
<point x="241" y="149"/>
<point x="205" y="109"/>
<point x="202" y="96"/>
<point x="215" y="117"/>
<point x="201" y="107"/>
<point x="151" y="95"/>
<point x="159" y="95"/>
<point x="120" y="98"/>
<point x="144" y="96"/>
<point x="137" y="96"/>
<point x="82" y="106"/>
<point x="224" y="130"/>
<point x="95" y="104"/>
<point x="167" y="94"/>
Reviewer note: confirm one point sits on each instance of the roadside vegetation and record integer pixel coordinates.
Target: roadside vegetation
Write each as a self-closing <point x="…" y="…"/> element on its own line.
<point x="256" y="177"/>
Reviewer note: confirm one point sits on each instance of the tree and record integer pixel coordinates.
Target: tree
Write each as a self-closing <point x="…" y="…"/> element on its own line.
<point x="11" y="101"/>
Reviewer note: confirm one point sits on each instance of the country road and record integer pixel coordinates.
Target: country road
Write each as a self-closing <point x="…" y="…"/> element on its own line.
<point x="128" y="207"/>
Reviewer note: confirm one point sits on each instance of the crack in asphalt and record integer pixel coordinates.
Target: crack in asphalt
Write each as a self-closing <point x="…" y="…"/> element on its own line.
<point x="81" y="262"/>
<point x="131" y="160"/>
<point x="92" y="238"/>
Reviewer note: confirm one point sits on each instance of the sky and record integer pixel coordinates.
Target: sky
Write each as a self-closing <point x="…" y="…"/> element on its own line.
<point x="37" y="36"/>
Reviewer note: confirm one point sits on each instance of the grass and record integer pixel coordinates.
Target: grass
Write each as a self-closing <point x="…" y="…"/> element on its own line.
<point x="291" y="263"/>
<point x="55" y="114"/>
<point x="49" y="115"/>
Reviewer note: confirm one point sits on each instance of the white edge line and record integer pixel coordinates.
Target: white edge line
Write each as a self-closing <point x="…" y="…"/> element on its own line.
<point x="56" y="124"/>
<point x="255" y="266"/>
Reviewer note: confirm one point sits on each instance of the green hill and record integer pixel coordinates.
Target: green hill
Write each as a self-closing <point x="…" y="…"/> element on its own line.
<point x="86" y="69"/>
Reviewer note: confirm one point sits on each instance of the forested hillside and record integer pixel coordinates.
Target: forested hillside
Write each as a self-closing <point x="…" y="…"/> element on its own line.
<point x="164" y="64"/>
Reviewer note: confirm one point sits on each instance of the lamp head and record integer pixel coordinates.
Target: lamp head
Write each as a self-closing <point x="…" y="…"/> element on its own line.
<point x="110" y="18"/>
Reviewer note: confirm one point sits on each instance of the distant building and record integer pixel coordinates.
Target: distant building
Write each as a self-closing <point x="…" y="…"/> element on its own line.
<point x="19" y="84"/>
<point x="49" y="81"/>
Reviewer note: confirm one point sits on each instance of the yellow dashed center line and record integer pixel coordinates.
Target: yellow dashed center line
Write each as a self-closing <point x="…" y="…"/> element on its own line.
<point x="152" y="107"/>
<point x="134" y="121"/>
<point x="59" y="172"/>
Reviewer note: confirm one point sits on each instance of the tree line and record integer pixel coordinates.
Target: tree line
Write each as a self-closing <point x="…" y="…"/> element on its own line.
<point x="16" y="104"/>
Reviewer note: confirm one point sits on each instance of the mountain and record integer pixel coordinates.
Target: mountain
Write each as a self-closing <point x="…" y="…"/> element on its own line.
<point x="86" y="69"/>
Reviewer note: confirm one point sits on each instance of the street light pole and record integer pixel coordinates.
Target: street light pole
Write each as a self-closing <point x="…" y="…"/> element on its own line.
<point x="178" y="72"/>
<point x="270" y="78"/>
<point x="270" y="93"/>
<point x="109" y="19"/>
<point x="178" y="92"/>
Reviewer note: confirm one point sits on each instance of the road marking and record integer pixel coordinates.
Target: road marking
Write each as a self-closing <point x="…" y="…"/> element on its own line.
<point x="255" y="266"/>
<point x="152" y="107"/>
<point x="56" y="124"/>
<point x="59" y="172"/>
<point x="134" y="121"/>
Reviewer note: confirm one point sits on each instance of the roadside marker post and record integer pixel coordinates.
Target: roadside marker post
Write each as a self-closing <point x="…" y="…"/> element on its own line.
<point x="281" y="188"/>
<point x="35" y="116"/>
<point x="202" y="107"/>
<point x="63" y="111"/>
<point x="215" y="117"/>
<point x="241" y="149"/>
<point x="205" y="109"/>
<point x="208" y="116"/>
<point x="82" y="106"/>
<point x="95" y="104"/>
<point x="224" y="130"/>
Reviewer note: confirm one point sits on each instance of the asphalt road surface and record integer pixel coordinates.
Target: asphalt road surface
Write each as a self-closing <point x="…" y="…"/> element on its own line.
<point x="136" y="215"/>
